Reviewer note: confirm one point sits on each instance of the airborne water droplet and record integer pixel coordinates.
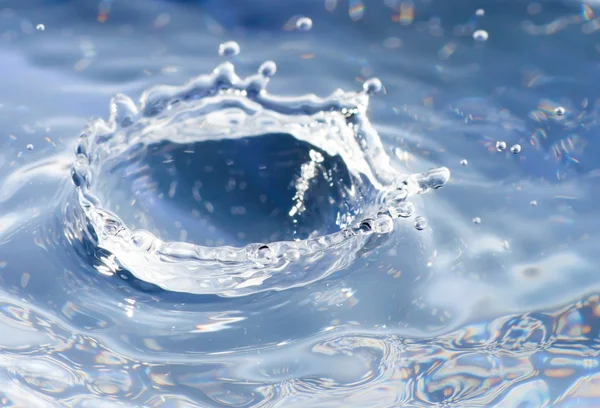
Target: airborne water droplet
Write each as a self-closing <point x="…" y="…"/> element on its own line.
<point x="29" y="146"/>
<point x="267" y="69"/>
<point x="480" y="12"/>
<point x="304" y="24"/>
<point x="40" y="27"/>
<point x="500" y="146"/>
<point x="464" y="162"/>
<point x="433" y="179"/>
<point x="383" y="224"/>
<point x="476" y="220"/>
<point x="559" y="111"/>
<point x="480" y="35"/>
<point x="533" y="203"/>
<point x="420" y="223"/>
<point x="515" y="149"/>
<point x="229" y="49"/>
<point x="372" y="86"/>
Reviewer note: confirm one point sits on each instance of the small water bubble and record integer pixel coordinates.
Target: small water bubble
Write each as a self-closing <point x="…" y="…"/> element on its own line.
<point x="383" y="224"/>
<point x="420" y="223"/>
<point x="533" y="203"/>
<point x="29" y="146"/>
<point x="304" y="24"/>
<point x="515" y="149"/>
<point x="464" y="162"/>
<point x="480" y="12"/>
<point x="403" y="210"/>
<point x="476" y="220"/>
<point x="501" y="146"/>
<point x="264" y="255"/>
<point x="480" y="35"/>
<point x="372" y="86"/>
<point x="559" y="111"/>
<point x="366" y="225"/>
<point x="229" y="49"/>
<point x="40" y="27"/>
<point x="267" y="69"/>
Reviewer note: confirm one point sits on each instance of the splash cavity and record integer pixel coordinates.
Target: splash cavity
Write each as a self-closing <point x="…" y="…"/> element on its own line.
<point x="218" y="187"/>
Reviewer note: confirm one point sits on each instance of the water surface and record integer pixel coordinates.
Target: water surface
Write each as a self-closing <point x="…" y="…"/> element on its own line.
<point x="498" y="312"/>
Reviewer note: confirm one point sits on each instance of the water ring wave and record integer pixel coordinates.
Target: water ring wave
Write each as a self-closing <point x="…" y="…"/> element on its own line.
<point x="223" y="106"/>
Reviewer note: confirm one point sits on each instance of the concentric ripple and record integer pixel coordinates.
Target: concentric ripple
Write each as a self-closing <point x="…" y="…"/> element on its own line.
<point x="218" y="187"/>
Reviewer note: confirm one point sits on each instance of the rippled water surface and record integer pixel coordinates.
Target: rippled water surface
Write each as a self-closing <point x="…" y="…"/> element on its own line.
<point x="189" y="222"/>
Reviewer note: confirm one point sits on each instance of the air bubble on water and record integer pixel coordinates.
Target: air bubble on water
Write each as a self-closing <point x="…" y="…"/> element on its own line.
<point x="533" y="203"/>
<point x="262" y="255"/>
<point x="372" y="86"/>
<point x="480" y="12"/>
<point x="480" y="35"/>
<point x="403" y="210"/>
<point x="500" y="146"/>
<point x="420" y="223"/>
<point x="40" y="27"/>
<point x="229" y="49"/>
<point x="515" y="149"/>
<point x="304" y="24"/>
<point x="559" y="111"/>
<point x="383" y="224"/>
<point x="267" y="69"/>
<point x="476" y="220"/>
<point x="464" y="162"/>
<point x="29" y="146"/>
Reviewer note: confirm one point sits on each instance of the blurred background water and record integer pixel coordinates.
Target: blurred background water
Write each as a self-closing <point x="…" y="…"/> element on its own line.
<point x="496" y="303"/>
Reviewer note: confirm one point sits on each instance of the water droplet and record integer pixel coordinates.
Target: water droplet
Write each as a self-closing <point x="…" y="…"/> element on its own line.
<point x="372" y="86"/>
<point x="515" y="149"/>
<point x="366" y="225"/>
<point x="267" y="69"/>
<point x="480" y="12"/>
<point x="533" y="203"/>
<point x="383" y="224"/>
<point x="433" y="179"/>
<point x="480" y="35"/>
<point x="29" y="146"/>
<point x="476" y="220"/>
<point x="500" y="146"/>
<point x="229" y="49"/>
<point x="464" y="162"/>
<point x="420" y="223"/>
<point x="292" y="254"/>
<point x="304" y="24"/>
<point x="40" y="27"/>
<point x="559" y="111"/>
<point x="403" y="210"/>
<point x="397" y="195"/>
<point x="264" y="255"/>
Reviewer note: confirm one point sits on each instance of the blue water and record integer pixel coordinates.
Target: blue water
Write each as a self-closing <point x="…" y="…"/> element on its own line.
<point x="496" y="303"/>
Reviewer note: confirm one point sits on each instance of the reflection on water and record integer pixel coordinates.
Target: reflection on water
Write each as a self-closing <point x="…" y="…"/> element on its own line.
<point x="494" y="303"/>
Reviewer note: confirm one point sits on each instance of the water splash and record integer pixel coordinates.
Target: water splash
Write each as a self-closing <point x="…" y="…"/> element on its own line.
<point x="345" y="192"/>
